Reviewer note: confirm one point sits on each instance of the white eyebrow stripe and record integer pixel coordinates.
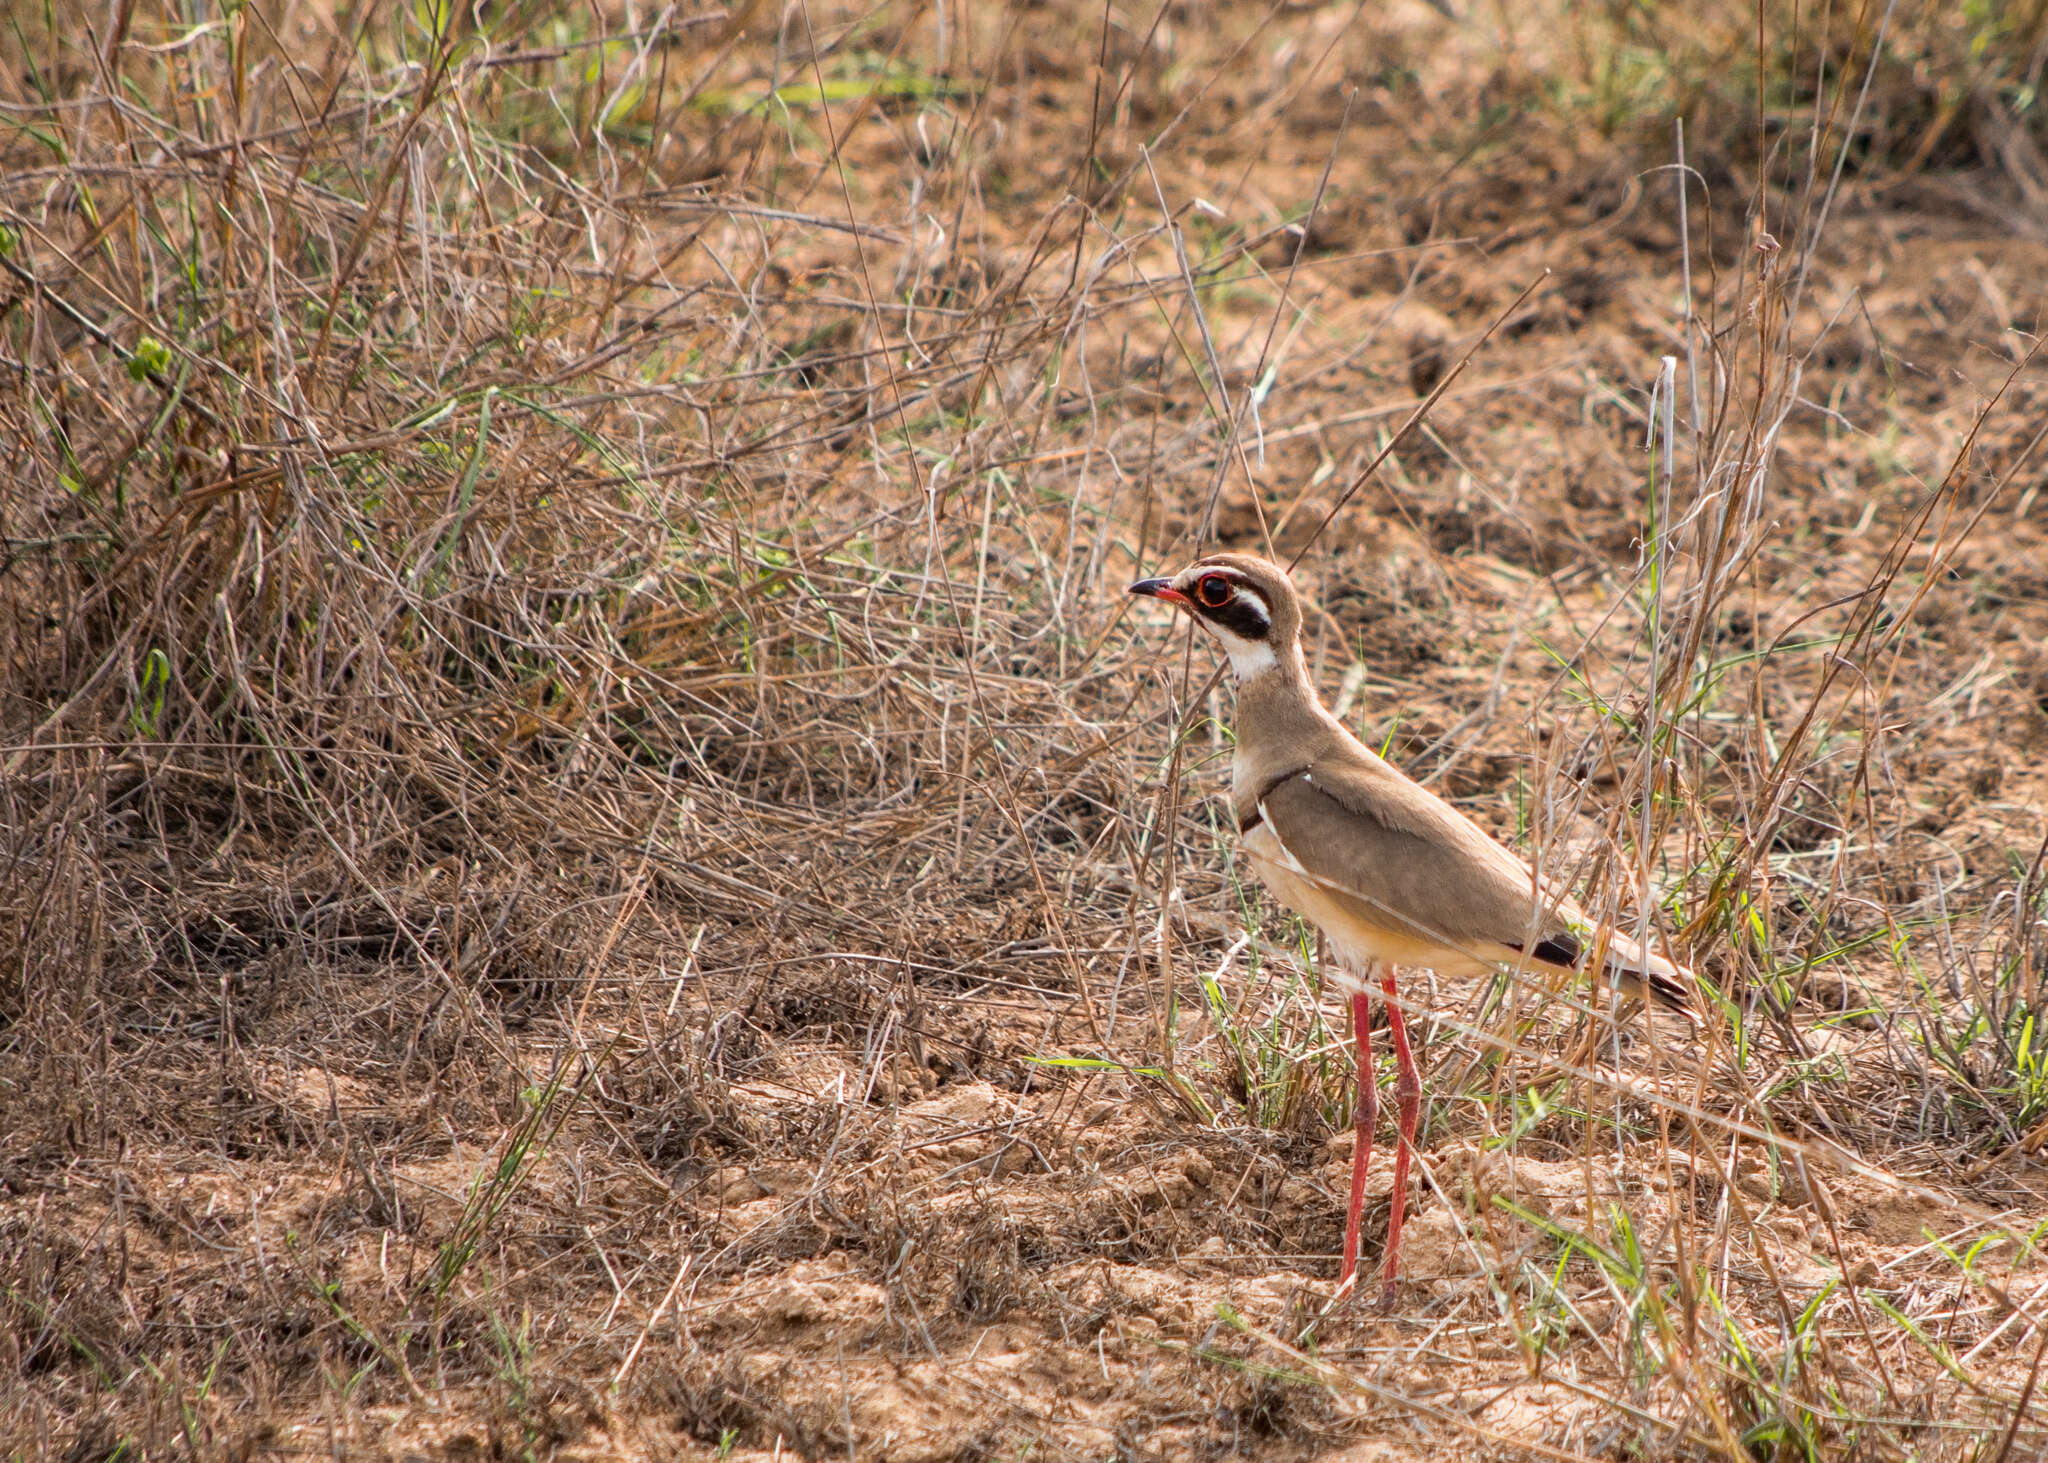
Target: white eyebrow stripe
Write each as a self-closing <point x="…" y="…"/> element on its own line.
<point x="1248" y="593"/>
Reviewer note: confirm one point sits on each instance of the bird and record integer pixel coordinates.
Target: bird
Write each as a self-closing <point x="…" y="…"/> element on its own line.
<point x="1391" y="873"/>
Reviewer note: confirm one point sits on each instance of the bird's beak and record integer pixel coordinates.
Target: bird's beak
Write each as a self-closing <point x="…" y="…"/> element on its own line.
<point x="1161" y="589"/>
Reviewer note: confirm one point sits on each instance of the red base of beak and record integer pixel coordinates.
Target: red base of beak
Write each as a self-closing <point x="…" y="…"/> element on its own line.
<point x="1160" y="589"/>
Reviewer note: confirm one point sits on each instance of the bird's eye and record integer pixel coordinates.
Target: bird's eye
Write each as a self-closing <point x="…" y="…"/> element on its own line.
<point x="1214" y="591"/>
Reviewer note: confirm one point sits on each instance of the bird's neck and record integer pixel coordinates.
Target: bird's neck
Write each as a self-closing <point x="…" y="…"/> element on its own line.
<point x="1280" y="727"/>
<point x="1254" y="661"/>
<point x="1278" y="692"/>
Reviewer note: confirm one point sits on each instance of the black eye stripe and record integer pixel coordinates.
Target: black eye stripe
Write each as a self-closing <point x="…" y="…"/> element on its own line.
<point x="1243" y="615"/>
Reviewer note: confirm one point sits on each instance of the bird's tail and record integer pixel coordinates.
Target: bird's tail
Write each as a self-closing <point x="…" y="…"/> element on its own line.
<point x="1649" y="975"/>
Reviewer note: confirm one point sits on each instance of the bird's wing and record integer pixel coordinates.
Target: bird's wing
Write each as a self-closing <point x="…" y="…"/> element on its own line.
<point x="1406" y="861"/>
<point x="1412" y="864"/>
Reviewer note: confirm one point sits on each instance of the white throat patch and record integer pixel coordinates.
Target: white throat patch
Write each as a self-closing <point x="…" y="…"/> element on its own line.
<point x="1248" y="658"/>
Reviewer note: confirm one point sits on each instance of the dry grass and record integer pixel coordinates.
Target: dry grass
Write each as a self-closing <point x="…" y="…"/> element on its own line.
<point x="594" y="862"/>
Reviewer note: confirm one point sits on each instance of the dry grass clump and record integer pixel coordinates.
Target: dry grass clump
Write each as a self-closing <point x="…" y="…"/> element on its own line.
<point x="593" y="860"/>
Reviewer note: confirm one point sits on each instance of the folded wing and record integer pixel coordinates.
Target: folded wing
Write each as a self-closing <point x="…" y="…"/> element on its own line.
<point x="1407" y="863"/>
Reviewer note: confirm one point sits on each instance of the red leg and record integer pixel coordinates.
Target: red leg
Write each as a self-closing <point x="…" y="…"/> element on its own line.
<point x="1364" y="1113"/>
<point x="1408" y="1093"/>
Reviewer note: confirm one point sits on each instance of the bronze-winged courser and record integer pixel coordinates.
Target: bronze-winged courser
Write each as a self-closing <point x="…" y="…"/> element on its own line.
<point x="1391" y="873"/>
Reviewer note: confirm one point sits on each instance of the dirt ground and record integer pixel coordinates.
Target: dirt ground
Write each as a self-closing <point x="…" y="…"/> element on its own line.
<point x="597" y="865"/>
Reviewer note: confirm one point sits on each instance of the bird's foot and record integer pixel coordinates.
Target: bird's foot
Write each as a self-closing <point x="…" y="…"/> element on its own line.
<point x="1352" y="1287"/>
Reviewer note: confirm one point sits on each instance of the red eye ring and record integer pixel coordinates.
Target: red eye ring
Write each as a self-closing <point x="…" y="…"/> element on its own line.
<point x="1214" y="591"/>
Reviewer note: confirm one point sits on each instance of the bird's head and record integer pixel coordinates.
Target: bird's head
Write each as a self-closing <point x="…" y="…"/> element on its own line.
<point x="1247" y="603"/>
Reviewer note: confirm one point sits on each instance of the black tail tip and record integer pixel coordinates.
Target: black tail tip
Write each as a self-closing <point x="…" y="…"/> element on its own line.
<point x="1670" y="994"/>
